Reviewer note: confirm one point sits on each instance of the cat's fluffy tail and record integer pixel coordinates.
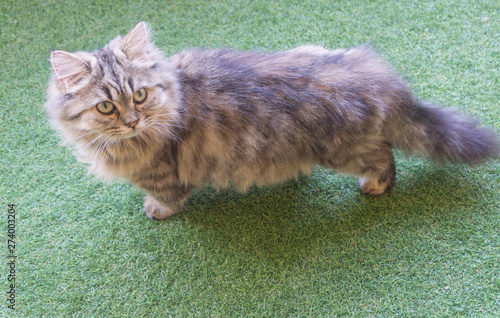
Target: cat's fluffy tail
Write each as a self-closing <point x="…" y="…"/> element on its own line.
<point x="444" y="135"/>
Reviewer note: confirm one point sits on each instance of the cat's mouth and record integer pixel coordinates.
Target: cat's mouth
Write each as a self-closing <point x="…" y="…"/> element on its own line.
<point x="130" y="133"/>
<point x="120" y="134"/>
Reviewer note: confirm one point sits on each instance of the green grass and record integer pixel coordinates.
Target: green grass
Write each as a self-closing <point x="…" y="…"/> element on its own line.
<point x="315" y="247"/>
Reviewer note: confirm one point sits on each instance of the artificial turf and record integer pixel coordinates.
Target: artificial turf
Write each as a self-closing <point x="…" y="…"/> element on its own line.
<point x="314" y="247"/>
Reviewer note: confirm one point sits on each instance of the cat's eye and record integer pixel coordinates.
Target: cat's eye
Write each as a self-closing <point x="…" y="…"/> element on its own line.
<point x="140" y="96"/>
<point x="106" y="108"/>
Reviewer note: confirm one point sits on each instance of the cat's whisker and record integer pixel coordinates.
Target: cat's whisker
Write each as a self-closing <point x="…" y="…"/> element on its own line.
<point x="164" y="118"/>
<point x="97" y="150"/>
<point x="160" y="128"/>
<point x="177" y="126"/>
<point x="83" y="138"/>
<point x="192" y="116"/>
<point x="92" y="142"/>
<point x="163" y="130"/>
<point x="175" y="112"/>
<point x="183" y="112"/>
<point x="103" y="147"/>
<point x="88" y="133"/>
<point x="160" y="114"/>
<point x="164" y="124"/>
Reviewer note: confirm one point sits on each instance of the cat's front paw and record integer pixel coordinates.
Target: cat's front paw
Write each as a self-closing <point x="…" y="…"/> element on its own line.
<point x="157" y="211"/>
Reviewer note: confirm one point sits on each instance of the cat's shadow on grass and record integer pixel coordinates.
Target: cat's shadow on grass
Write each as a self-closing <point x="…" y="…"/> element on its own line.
<point x="292" y="222"/>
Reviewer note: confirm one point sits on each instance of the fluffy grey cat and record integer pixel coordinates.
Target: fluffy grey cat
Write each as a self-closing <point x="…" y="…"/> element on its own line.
<point x="223" y="117"/>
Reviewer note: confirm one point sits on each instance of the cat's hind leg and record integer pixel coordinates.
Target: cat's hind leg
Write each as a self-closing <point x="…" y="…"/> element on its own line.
<point x="371" y="160"/>
<point x="378" y="184"/>
<point x="377" y="170"/>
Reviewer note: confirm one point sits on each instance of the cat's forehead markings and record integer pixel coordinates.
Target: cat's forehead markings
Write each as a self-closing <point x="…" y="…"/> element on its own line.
<point x="112" y="71"/>
<point x="108" y="93"/>
<point x="131" y="84"/>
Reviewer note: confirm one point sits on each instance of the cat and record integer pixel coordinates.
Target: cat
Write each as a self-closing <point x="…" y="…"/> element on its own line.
<point x="231" y="118"/>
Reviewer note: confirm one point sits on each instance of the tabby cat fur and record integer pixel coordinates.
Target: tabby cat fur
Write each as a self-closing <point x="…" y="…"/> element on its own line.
<point x="223" y="117"/>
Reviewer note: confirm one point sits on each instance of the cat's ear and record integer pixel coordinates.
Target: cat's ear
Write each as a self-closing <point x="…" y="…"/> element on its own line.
<point x="68" y="67"/>
<point x="135" y="45"/>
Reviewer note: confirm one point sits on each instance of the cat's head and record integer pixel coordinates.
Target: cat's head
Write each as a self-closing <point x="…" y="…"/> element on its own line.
<point x="125" y="92"/>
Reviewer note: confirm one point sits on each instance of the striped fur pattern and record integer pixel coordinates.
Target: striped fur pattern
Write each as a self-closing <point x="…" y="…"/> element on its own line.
<point x="230" y="118"/>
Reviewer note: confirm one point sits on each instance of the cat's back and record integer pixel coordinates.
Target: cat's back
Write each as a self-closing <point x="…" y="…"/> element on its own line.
<point x="309" y="65"/>
<point x="201" y="61"/>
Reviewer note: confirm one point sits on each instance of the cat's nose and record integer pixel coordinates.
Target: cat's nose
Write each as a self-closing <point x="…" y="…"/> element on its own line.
<point x="132" y="124"/>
